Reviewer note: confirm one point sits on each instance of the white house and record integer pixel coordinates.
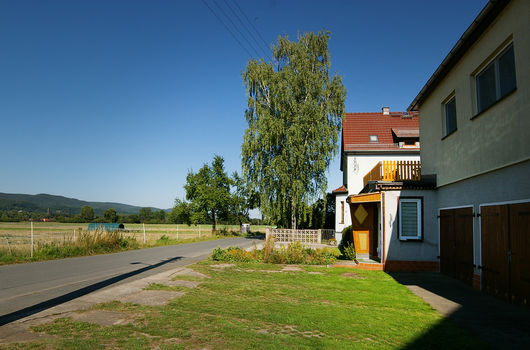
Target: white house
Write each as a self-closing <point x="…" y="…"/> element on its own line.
<point x="475" y="133"/>
<point x="367" y="139"/>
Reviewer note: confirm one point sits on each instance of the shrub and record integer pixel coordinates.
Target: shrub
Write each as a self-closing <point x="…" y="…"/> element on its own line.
<point x="349" y="252"/>
<point x="347" y="238"/>
<point x="295" y="253"/>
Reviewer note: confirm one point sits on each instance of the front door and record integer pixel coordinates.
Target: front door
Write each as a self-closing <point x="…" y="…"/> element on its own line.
<point x="363" y="224"/>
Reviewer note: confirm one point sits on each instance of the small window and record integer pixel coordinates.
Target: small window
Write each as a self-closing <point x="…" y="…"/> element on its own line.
<point x="410" y="220"/>
<point x="496" y="80"/>
<point x="374" y="138"/>
<point x="342" y="212"/>
<point x="450" y="116"/>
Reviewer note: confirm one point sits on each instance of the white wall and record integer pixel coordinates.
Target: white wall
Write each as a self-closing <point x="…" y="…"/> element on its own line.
<point x="365" y="164"/>
<point x="347" y="218"/>
<point x="496" y="138"/>
<point x="426" y="250"/>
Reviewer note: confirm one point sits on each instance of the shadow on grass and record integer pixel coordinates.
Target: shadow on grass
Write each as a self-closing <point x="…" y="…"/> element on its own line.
<point x="30" y="310"/>
<point x="491" y="320"/>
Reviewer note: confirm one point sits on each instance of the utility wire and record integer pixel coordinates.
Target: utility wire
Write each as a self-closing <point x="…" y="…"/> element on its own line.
<point x="258" y="44"/>
<point x="236" y="28"/>
<point x="228" y="29"/>
<point x="240" y="10"/>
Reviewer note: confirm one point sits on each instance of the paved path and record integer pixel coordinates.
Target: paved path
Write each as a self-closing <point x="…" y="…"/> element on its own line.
<point x="26" y="289"/>
<point x="496" y="322"/>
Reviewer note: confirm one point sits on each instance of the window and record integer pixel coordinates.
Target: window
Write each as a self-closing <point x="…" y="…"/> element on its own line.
<point x="342" y="212"/>
<point x="496" y="80"/>
<point x="374" y="138"/>
<point x="410" y="219"/>
<point x="450" y="116"/>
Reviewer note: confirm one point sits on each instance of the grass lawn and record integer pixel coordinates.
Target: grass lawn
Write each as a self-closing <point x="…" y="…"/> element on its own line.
<point x="255" y="306"/>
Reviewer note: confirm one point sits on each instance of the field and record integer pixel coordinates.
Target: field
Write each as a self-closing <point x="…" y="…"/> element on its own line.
<point x="15" y="237"/>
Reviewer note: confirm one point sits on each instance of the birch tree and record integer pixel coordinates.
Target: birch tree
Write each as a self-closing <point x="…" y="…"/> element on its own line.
<point x="294" y="118"/>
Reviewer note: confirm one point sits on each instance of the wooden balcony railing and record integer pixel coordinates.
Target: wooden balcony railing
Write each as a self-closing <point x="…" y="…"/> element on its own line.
<point x="394" y="170"/>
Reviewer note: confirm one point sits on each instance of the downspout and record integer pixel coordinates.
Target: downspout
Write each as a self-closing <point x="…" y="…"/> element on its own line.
<point x="383" y="256"/>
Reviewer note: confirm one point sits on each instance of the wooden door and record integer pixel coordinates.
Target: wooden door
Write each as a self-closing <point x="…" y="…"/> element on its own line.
<point x="361" y="240"/>
<point x="463" y="227"/>
<point x="363" y="227"/>
<point x="447" y="243"/>
<point x="456" y="243"/>
<point x="519" y="253"/>
<point x="495" y="244"/>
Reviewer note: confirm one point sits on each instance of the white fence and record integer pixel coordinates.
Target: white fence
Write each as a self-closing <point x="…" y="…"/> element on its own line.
<point x="303" y="236"/>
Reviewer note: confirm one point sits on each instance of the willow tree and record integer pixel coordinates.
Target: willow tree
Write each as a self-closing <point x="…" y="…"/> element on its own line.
<point x="294" y="118"/>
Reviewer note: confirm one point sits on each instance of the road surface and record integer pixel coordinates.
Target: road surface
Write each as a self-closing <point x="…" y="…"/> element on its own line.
<point x="29" y="288"/>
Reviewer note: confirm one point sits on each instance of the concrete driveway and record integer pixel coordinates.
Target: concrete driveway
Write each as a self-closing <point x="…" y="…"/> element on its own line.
<point x="496" y="322"/>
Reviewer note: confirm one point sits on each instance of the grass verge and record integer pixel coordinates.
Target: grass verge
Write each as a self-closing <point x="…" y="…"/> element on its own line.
<point x="263" y="306"/>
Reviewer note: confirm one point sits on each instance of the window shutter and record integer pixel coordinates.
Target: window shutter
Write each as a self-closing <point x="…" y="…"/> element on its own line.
<point x="409" y="219"/>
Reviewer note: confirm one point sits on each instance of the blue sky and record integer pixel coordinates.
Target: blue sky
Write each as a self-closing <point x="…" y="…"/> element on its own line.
<point x="106" y="100"/>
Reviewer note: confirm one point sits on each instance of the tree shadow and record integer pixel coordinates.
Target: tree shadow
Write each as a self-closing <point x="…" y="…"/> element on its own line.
<point x="33" y="309"/>
<point x="491" y="320"/>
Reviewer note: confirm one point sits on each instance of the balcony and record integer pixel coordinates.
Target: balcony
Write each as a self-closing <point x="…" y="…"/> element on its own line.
<point x="393" y="170"/>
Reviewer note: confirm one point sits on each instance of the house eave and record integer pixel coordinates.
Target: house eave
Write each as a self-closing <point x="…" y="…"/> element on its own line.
<point x="470" y="36"/>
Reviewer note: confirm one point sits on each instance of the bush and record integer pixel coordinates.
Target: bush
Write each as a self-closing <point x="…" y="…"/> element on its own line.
<point x="295" y="253"/>
<point x="347" y="238"/>
<point x="349" y="252"/>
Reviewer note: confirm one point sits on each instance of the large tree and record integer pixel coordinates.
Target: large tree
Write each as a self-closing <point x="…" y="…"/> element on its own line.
<point x="208" y="190"/>
<point x="110" y="215"/>
<point x="87" y="213"/>
<point x="294" y="118"/>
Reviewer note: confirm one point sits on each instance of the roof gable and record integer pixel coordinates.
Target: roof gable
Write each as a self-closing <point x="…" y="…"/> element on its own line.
<point x="357" y="129"/>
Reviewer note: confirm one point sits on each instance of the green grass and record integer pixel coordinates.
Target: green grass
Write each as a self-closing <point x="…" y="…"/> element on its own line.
<point x="249" y="307"/>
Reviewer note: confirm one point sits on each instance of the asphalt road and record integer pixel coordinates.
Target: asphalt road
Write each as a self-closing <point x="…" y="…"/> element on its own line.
<point x="26" y="289"/>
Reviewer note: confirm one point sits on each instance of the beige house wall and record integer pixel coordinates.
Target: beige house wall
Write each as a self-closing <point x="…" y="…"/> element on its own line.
<point x="500" y="135"/>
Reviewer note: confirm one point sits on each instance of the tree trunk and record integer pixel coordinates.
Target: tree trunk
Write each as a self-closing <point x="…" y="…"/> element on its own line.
<point x="213" y="220"/>
<point x="293" y="215"/>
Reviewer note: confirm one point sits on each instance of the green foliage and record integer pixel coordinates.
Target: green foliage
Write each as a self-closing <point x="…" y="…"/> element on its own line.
<point x="294" y="119"/>
<point x="87" y="213"/>
<point x="348" y="251"/>
<point x="347" y="238"/>
<point x="208" y="191"/>
<point x="110" y="215"/>
<point x="295" y="253"/>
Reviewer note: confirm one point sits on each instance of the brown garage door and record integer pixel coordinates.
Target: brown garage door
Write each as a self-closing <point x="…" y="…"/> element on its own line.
<point x="456" y="243"/>
<point x="506" y="251"/>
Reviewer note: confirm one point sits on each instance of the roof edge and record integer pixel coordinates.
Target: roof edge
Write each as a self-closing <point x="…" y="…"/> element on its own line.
<point x="488" y="14"/>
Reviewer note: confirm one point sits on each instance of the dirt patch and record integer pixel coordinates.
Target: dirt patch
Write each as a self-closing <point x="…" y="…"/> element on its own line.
<point x="189" y="272"/>
<point x="315" y="273"/>
<point x="222" y="266"/>
<point x="182" y="283"/>
<point x="353" y="275"/>
<point x="19" y="333"/>
<point x="292" y="268"/>
<point x="151" y="297"/>
<point x="104" y="317"/>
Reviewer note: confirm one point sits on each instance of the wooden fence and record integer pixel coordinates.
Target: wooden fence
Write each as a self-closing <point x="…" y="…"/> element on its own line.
<point x="303" y="236"/>
<point x="392" y="170"/>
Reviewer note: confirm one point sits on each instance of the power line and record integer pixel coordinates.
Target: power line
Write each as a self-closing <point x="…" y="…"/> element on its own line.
<point x="236" y="28"/>
<point x="240" y="10"/>
<point x="247" y="30"/>
<point x="228" y="29"/>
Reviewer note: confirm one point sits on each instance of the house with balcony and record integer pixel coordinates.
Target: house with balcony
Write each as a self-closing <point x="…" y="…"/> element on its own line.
<point x="367" y="139"/>
<point x="475" y="134"/>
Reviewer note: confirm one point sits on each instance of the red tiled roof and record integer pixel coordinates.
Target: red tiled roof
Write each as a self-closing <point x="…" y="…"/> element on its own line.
<point x="341" y="189"/>
<point x="358" y="127"/>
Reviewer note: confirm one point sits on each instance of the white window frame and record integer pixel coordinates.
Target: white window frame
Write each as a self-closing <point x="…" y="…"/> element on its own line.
<point x="495" y="63"/>
<point x="419" y="207"/>
<point x="446" y="129"/>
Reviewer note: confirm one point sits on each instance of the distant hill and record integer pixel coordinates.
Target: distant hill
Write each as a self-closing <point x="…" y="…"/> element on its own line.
<point x="59" y="204"/>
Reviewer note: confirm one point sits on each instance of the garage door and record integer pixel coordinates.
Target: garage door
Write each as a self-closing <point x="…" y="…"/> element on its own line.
<point x="506" y="251"/>
<point x="456" y="243"/>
